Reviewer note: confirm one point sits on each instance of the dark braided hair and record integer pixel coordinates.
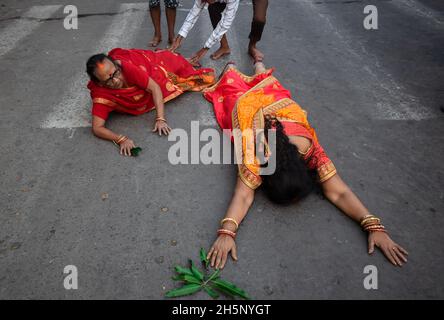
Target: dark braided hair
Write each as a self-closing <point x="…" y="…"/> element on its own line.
<point x="292" y="180"/>
<point x="92" y="62"/>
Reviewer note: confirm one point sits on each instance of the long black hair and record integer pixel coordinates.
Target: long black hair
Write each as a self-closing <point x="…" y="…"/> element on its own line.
<point x="292" y="180"/>
<point x="92" y="62"/>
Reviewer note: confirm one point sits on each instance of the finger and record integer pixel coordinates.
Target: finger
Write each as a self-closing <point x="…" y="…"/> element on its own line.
<point x="127" y="151"/>
<point x="402" y="250"/>
<point x="169" y="130"/>
<point x="219" y="259"/>
<point x="155" y="128"/>
<point x="371" y="246"/>
<point x="234" y="253"/>
<point x="213" y="258"/>
<point x="400" y="254"/>
<point x="224" y="259"/>
<point x="388" y="256"/>
<point x="395" y="256"/>
<point x="209" y="253"/>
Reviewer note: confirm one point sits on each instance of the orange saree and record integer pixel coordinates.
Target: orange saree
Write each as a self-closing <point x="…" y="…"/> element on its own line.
<point x="173" y="73"/>
<point x="241" y="102"/>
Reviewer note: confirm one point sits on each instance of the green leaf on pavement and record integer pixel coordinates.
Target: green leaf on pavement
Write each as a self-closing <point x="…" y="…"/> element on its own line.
<point x="187" y="278"/>
<point x="181" y="270"/>
<point x="199" y="275"/>
<point x="213" y="294"/>
<point x="230" y="287"/>
<point x="135" y="151"/>
<point x="203" y="257"/>
<point x="183" y="291"/>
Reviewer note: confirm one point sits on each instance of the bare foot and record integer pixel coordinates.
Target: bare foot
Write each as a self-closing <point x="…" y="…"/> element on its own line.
<point x="221" y="52"/>
<point x="155" y="42"/>
<point x="256" y="54"/>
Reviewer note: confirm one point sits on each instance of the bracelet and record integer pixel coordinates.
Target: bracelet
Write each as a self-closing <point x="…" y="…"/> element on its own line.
<point x="230" y="220"/>
<point x="120" y="139"/>
<point x="371" y="223"/>
<point x="161" y="119"/>
<point x="227" y="232"/>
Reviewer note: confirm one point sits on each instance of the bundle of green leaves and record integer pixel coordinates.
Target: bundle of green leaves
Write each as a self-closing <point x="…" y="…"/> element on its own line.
<point x="194" y="280"/>
<point x="135" y="151"/>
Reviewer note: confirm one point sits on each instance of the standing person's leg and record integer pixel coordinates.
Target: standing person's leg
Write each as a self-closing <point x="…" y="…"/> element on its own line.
<point x="215" y="10"/>
<point x="257" y="27"/>
<point x="155" y="17"/>
<point x="170" y="11"/>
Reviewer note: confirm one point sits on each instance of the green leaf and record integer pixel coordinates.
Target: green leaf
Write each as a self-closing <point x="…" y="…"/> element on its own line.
<point x="214" y="276"/>
<point x="135" y="151"/>
<point x="230" y="287"/>
<point x="223" y="290"/>
<point x="199" y="275"/>
<point x="203" y="257"/>
<point x="213" y="294"/>
<point x="181" y="270"/>
<point x="187" y="278"/>
<point x="183" y="291"/>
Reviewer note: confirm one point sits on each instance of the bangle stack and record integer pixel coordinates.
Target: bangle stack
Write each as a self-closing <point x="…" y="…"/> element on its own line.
<point x="229" y="220"/>
<point x="227" y="232"/>
<point x="372" y="223"/>
<point x="161" y="119"/>
<point x="120" y="139"/>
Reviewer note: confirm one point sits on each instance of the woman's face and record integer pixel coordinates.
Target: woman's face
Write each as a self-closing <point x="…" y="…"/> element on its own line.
<point x="109" y="74"/>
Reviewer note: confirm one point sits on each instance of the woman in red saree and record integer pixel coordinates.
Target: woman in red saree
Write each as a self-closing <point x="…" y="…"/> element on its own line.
<point x="135" y="81"/>
<point x="250" y="104"/>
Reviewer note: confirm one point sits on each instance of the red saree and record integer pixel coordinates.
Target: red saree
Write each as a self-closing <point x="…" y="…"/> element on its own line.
<point x="173" y="73"/>
<point x="242" y="102"/>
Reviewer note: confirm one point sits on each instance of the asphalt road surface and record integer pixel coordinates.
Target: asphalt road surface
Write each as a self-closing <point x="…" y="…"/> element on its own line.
<point x="375" y="97"/>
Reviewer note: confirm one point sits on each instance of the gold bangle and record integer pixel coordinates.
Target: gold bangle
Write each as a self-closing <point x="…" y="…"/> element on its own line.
<point x="122" y="140"/>
<point x="370" y="222"/>
<point x="229" y="220"/>
<point x="161" y="119"/>
<point x="372" y="218"/>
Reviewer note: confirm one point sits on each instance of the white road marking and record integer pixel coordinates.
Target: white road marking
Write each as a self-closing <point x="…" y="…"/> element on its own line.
<point x="23" y="27"/>
<point x="73" y="111"/>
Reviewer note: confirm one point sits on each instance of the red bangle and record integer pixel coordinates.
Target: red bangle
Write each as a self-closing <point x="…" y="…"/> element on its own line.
<point x="227" y="232"/>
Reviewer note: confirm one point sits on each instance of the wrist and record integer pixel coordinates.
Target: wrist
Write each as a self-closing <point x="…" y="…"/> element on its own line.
<point x="227" y="232"/>
<point x="120" y="139"/>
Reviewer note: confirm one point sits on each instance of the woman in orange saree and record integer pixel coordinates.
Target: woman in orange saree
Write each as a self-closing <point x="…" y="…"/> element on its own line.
<point x="135" y="81"/>
<point x="249" y="104"/>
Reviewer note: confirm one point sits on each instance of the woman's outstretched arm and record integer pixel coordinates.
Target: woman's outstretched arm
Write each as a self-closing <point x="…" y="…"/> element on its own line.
<point x="343" y="197"/>
<point x="99" y="130"/>
<point x="240" y="203"/>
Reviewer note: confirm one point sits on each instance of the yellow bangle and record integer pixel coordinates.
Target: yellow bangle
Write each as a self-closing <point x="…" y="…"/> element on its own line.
<point x="230" y="220"/>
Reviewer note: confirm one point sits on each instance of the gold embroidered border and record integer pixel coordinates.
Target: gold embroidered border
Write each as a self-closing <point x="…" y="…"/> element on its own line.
<point x="326" y="171"/>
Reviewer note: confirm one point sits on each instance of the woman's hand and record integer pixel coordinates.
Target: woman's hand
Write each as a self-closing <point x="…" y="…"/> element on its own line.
<point x="126" y="146"/>
<point x="218" y="253"/>
<point x="162" y="127"/>
<point x="394" y="252"/>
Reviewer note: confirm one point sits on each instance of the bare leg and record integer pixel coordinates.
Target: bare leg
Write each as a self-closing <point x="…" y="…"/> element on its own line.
<point x="223" y="50"/>
<point x="215" y="10"/>
<point x="155" y="17"/>
<point x="171" y="20"/>
<point x="257" y="27"/>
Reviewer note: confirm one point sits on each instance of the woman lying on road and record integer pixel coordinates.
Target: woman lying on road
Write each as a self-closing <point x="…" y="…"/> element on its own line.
<point x="261" y="102"/>
<point x="136" y="81"/>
